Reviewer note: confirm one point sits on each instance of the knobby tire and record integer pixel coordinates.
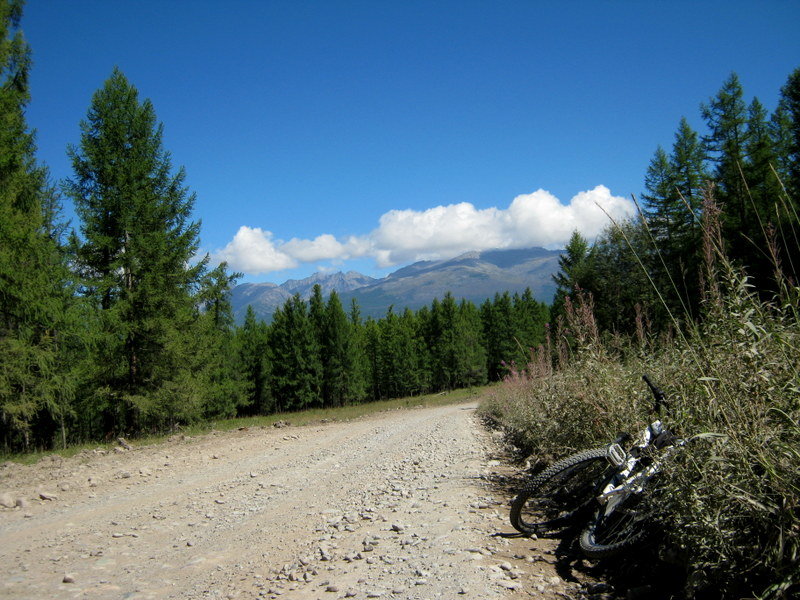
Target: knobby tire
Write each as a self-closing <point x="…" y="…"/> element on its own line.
<point x="554" y="499"/>
<point x="623" y="528"/>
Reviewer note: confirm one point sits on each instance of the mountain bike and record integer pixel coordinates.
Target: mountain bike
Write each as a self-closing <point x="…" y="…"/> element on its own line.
<point x="607" y="481"/>
<point x="621" y="516"/>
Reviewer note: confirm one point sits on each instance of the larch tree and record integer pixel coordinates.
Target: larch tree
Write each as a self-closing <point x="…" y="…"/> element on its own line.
<point x="31" y="277"/>
<point x="136" y="251"/>
<point x="726" y="118"/>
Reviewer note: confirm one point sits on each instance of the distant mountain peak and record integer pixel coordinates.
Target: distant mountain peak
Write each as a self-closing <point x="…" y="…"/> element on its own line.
<point x="474" y="276"/>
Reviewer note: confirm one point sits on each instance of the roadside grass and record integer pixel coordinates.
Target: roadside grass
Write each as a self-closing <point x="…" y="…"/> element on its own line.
<point x="298" y="418"/>
<point x="729" y="506"/>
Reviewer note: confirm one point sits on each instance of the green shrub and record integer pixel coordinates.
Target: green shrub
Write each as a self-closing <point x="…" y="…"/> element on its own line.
<point x="730" y="505"/>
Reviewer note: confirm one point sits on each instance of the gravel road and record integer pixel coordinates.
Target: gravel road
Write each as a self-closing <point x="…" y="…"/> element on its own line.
<point x="395" y="505"/>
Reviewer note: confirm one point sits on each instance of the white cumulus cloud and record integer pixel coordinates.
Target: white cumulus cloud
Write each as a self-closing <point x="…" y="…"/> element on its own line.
<point x="253" y="251"/>
<point x="536" y="219"/>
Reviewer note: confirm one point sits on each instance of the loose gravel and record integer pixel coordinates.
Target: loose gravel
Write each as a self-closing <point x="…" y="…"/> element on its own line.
<point x="397" y="505"/>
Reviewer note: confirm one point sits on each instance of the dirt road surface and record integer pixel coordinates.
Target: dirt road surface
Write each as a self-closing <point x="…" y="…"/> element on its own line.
<point x="395" y="505"/>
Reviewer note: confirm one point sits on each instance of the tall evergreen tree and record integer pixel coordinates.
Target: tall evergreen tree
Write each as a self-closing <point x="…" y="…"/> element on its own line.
<point x="296" y="368"/>
<point x="530" y="318"/>
<point x="764" y="190"/>
<point x="726" y="117"/>
<point x="31" y="279"/>
<point x="470" y="359"/>
<point x="672" y="207"/>
<point x="575" y="271"/>
<point x="790" y="106"/>
<point x="137" y="245"/>
<point x="497" y="317"/>
<point x="786" y="128"/>
<point x="252" y="341"/>
<point x="619" y="283"/>
<point x="661" y="196"/>
<point x="687" y="165"/>
<point x="226" y="389"/>
<point x="341" y="362"/>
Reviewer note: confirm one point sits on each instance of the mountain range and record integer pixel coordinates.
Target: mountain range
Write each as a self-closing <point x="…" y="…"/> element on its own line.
<point x="474" y="276"/>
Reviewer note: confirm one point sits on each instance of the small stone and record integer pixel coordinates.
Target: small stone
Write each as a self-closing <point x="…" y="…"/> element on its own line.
<point x="7" y="500"/>
<point x="506" y="566"/>
<point x="331" y="588"/>
<point x="63" y="486"/>
<point x="68" y="579"/>
<point x="47" y="496"/>
<point x="22" y="503"/>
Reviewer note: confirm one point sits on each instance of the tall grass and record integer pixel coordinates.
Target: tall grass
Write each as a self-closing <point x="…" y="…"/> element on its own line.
<point x="729" y="505"/>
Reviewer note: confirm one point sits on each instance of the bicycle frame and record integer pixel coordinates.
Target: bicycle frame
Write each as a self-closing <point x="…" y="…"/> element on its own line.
<point x="627" y="480"/>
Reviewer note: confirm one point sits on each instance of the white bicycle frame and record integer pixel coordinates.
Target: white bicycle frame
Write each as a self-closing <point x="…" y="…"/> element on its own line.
<point x="624" y="483"/>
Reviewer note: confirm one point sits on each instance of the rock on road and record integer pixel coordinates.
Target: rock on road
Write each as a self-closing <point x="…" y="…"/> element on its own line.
<point x="395" y="505"/>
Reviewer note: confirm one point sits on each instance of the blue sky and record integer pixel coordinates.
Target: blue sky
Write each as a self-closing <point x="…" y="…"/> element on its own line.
<point x="336" y="135"/>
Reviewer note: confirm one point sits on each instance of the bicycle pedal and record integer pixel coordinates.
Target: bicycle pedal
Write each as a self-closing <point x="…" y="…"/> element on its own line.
<point x="616" y="455"/>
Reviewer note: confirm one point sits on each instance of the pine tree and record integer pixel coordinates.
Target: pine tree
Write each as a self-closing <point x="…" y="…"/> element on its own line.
<point x="672" y="207"/>
<point x="376" y="386"/>
<point x="471" y="355"/>
<point x="763" y="188"/>
<point x="575" y="271"/>
<point x="497" y="317"/>
<point x="296" y="368"/>
<point x="226" y="389"/>
<point x="137" y="244"/>
<point x="343" y="384"/>
<point x="786" y="130"/>
<point x="661" y="197"/>
<point x="687" y="166"/>
<point x="619" y="282"/>
<point x="726" y="118"/>
<point x="252" y="342"/>
<point x="33" y="381"/>
<point x="530" y="318"/>
<point x="361" y="367"/>
<point x="790" y="105"/>
<point x="401" y="355"/>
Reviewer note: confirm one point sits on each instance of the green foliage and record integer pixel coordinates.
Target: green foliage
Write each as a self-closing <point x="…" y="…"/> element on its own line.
<point x="576" y="271"/>
<point x="252" y="343"/>
<point x="728" y="504"/>
<point x="296" y="365"/>
<point x="34" y="393"/>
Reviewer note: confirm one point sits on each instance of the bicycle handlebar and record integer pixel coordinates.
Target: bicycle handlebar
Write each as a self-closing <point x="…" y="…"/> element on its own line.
<point x="658" y="394"/>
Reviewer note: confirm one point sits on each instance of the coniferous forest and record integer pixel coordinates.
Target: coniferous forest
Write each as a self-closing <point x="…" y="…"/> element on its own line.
<point x="114" y="325"/>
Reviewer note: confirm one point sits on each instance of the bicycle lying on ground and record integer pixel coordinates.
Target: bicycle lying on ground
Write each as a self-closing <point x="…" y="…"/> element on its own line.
<point x="601" y="488"/>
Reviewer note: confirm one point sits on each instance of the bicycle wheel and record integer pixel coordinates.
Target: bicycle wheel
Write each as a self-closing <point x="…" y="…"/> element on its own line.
<point x="621" y="529"/>
<point x="560" y="493"/>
